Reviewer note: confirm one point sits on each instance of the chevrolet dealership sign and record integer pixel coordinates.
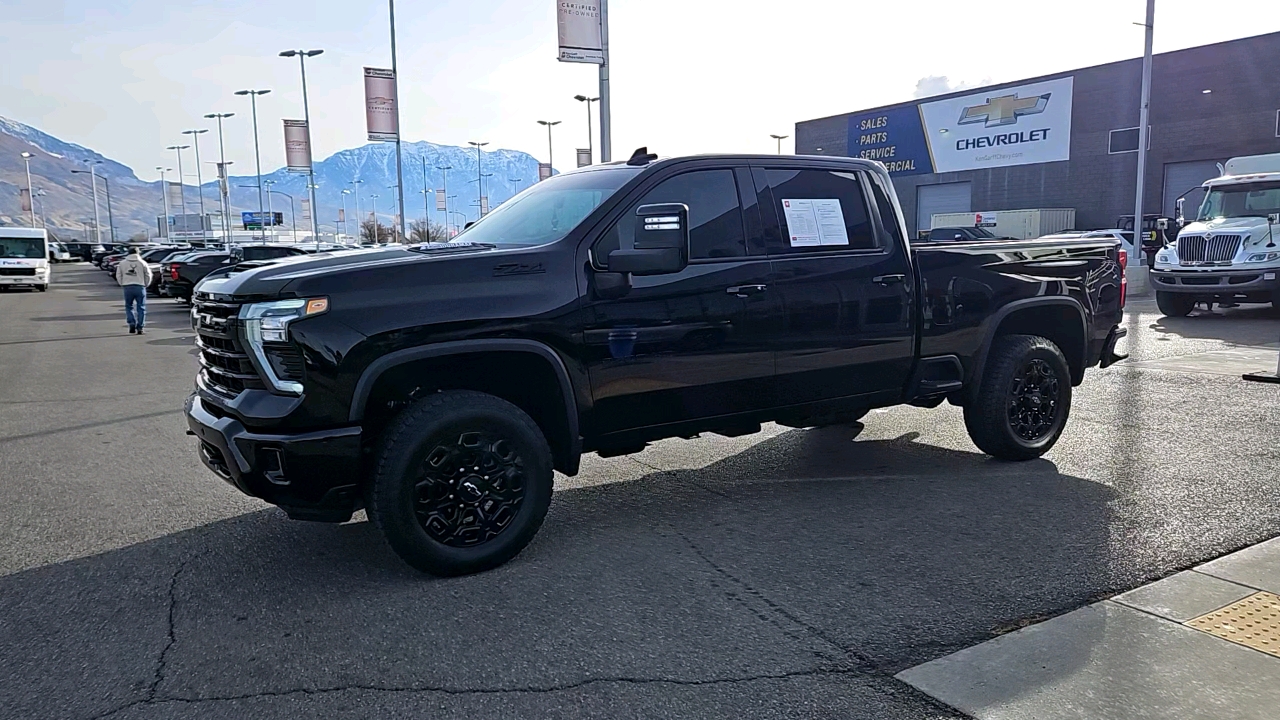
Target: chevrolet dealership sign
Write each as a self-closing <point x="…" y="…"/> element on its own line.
<point x="995" y="128"/>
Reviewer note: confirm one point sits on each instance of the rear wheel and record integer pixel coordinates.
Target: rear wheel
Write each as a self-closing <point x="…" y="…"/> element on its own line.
<point x="462" y="484"/>
<point x="1175" y="304"/>
<point x="1023" y="401"/>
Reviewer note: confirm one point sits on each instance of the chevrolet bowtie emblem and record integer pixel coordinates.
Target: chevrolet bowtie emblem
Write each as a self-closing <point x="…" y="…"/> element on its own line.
<point x="1004" y="110"/>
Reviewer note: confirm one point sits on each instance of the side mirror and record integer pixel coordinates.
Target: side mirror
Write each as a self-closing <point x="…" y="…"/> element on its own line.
<point x="1177" y="214"/>
<point x="1162" y="223"/>
<point x="661" y="242"/>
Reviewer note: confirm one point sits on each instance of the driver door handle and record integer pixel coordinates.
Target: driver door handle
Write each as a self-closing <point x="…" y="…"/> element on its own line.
<point x="746" y="290"/>
<point x="888" y="279"/>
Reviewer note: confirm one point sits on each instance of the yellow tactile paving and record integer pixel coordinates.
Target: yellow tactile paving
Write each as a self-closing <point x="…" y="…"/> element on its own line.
<point x="1253" y="622"/>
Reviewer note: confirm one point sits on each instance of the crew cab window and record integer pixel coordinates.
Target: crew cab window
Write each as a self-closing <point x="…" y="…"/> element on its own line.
<point x="807" y="202"/>
<point x="715" y="216"/>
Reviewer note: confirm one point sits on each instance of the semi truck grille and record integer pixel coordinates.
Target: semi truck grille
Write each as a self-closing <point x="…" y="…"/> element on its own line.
<point x="225" y="367"/>
<point x="1195" y="249"/>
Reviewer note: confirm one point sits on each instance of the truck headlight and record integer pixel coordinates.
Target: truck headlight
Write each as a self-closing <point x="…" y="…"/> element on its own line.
<point x="1164" y="257"/>
<point x="268" y="322"/>
<point x="1263" y="257"/>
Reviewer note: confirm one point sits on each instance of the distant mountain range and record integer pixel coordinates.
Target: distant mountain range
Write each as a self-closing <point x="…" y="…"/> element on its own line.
<point x="65" y="200"/>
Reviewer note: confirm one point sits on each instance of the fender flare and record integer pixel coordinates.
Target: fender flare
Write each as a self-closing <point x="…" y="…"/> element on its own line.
<point x="993" y="324"/>
<point x="375" y="370"/>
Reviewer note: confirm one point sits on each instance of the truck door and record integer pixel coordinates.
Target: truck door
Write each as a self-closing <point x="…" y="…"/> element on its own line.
<point x="844" y="280"/>
<point x="692" y="344"/>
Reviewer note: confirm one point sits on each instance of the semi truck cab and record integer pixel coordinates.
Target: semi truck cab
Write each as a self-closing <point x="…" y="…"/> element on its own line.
<point x="1229" y="253"/>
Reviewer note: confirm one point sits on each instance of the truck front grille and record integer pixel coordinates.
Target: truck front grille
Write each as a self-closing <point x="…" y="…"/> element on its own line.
<point x="1208" y="249"/>
<point x="18" y="271"/>
<point x="224" y="366"/>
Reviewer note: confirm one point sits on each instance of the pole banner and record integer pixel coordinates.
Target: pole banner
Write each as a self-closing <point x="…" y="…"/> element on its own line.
<point x="580" y="36"/>
<point x="380" y="104"/>
<point x="297" y="146"/>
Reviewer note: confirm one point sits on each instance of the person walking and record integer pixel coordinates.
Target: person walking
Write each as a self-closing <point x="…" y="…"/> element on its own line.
<point x="135" y="277"/>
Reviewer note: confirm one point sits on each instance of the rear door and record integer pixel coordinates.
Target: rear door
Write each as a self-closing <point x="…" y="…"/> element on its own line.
<point x="843" y="276"/>
<point x="691" y="344"/>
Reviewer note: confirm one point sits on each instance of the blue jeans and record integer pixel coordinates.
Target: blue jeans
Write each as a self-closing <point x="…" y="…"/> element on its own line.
<point x="135" y="295"/>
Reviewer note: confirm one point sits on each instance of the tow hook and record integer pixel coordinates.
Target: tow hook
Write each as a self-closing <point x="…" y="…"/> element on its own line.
<point x="1109" y="355"/>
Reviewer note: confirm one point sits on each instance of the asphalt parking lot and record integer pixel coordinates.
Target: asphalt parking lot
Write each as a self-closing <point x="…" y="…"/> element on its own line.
<point x="788" y="574"/>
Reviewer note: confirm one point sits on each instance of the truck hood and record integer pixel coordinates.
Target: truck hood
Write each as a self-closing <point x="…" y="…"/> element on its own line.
<point x="257" y="279"/>
<point x="1254" y="228"/>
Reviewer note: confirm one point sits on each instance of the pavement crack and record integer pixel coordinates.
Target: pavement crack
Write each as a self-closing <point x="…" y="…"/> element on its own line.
<point x="164" y="654"/>
<point x="528" y="689"/>
<point x="862" y="662"/>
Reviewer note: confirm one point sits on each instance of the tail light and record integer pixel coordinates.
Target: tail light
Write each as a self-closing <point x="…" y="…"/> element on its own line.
<point x="173" y="272"/>
<point x="1124" y="276"/>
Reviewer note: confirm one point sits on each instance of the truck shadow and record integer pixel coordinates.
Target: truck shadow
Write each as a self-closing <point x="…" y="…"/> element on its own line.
<point x="805" y="553"/>
<point x="1244" y="325"/>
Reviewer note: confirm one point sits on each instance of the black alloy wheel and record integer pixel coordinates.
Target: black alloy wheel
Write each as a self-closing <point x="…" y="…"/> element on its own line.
<point x="1023" y="401"/>
<point x="462" y="482"/>
<point x="470" y="490"/>
<point x="1033" y="400"/>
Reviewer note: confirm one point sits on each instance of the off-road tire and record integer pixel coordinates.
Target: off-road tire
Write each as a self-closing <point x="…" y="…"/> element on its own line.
<point x="988" y="416"/>
<point x="1175" y="304"/>
<point x="394" y="497"/>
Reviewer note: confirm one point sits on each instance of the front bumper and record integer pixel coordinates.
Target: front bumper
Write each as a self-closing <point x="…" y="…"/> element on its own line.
<point x="1224" y="283"/>
<point x="312" y="476"/>
<point x="40" y="278"/>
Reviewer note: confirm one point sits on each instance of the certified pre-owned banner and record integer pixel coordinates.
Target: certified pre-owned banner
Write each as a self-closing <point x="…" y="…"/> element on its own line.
<point x="380" y="104"/>
<point x="580" y="37"/>
<point x="994" y="128"/>
<point x="297" y="146"/>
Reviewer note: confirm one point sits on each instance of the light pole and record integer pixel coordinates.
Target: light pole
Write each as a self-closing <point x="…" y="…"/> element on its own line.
<point x="111" y="221"/>
<point x="376" y="234"/>
<point x="444" y="186"/>
<point x="395" y="84"/>
<point x="306" y="115"/>
<point x="182" y="184"/>
<point x="588" y="101"/>
<point x="550" y="161"/>
<point x="426" y="204"/>
<point x="97" y="218"/>
<point x="346" y="227"/>
<point x="195" y="141"/>
<point x="257" y="158"/>
<point x="222" y="168"/>
<point x="395" y="226"/>
<point x="479" y="177"/>
<point x="293" y="212"/>
<point x="1144" y="112"/>
<point x="779" y="138"/>
<point x="31" y="194"/>
<point x="464" y="219"/>
<point x="448" y="201"/>
<point x="164" y="196"/>
<point x="606" y="115"/>
<point x="39" y="193"/>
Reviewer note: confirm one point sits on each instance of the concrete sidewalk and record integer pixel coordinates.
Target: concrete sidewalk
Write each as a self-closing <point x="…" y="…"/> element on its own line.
<point x="1204" y="643"/>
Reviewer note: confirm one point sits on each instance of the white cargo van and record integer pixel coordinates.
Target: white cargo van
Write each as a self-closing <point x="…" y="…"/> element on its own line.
<point x="24" y="258"/>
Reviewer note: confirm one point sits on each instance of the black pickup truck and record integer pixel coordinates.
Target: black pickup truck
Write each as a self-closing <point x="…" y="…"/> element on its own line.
<point x="438" y="386"/>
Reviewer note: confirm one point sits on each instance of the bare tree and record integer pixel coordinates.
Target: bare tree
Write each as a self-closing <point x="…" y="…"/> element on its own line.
<point x="374" y="232"/>
<point x="422" y="231"/>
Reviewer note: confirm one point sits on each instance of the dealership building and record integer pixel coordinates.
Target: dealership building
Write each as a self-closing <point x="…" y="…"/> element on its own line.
<point x="1070" y="140"/>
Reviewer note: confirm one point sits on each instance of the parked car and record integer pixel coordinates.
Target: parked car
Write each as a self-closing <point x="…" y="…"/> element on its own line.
<point x="240" y="253"/>
<point x="58" y="252"/>
<point x="84" y="250"/>
<point x="439" y="385"/>
<point x="155" y="259"/>
<point x="185" y="273"/>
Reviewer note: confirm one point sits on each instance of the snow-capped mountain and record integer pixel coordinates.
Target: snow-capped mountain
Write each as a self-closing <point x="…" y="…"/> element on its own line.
<point x="65" y="199"/>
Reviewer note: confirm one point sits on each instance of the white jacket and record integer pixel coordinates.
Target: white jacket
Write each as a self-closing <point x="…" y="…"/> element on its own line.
<point x="133" y="271"/>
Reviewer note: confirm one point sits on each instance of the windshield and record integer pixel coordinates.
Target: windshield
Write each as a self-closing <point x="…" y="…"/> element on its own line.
<point x="1233" y="201"/>
<point x="29" y="248"/>
<point x="547" y="211"/>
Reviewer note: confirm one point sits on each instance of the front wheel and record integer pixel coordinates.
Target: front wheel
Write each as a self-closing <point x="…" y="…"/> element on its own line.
<point x="1024" y="399"/>
<point x="462" y="484"/>
<point x="43" y="288"/>
<point x="1175" y="304"/>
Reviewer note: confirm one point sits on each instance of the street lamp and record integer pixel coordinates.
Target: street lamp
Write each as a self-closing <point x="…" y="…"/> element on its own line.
<point x="779" y="138"/>
<point x="97" y="221"/>
<point x="479" y="177"/>
<point x="257" y="158"/>
<point x="376" y="237"/>
<point x="35" y="197"/>
<point x="222" y="169"/>
<point x="588" y="101"/>
<point x="31" y="196"/>
<point x="182" y="184"/>
<point x="550" y="124"/>
<point x="346" y="226"/>
<point x="293" y="212"/>
<point x="195" y="141"/>
<point x="302" y="56"/>
<point x="164" y="196"/>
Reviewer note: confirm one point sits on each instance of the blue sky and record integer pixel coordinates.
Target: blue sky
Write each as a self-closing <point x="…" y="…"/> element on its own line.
<point x="688" y="75"/>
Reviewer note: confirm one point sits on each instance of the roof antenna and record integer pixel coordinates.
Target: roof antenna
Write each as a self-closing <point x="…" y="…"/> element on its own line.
<point x="642" y="157"/>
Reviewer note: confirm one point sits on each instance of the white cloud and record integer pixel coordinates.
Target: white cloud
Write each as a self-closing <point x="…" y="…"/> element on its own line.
<point x="941" y="85"/>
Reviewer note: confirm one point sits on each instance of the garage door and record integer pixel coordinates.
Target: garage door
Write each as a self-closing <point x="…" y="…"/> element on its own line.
<point x="943" y="198"/>
<point x="1184" y="176"/>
